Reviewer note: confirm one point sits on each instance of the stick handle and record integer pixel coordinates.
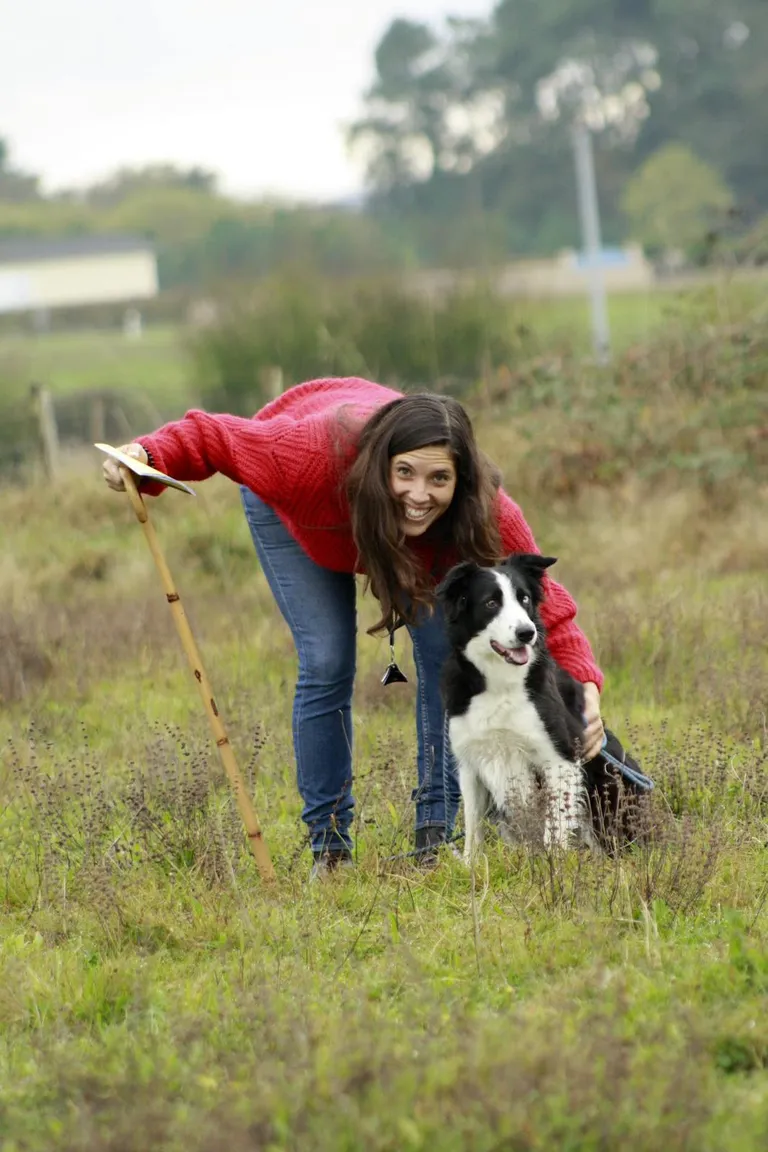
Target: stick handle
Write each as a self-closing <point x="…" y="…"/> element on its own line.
<point x="247" y="810"/>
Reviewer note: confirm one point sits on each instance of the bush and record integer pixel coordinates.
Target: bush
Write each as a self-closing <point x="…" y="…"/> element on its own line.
<point x="116" y="415"/>
<point x="19" y="440"/>
<point x="310" y="329"/>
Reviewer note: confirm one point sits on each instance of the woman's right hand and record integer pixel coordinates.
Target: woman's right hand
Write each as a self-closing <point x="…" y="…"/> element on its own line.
<point x="111" y="469"/>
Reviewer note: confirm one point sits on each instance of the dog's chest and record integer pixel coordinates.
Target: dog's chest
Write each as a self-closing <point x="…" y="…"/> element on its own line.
<point x="501" y="735"/>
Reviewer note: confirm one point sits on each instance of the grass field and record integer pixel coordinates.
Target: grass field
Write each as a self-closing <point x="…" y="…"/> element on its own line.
<point x="158" y="366"/>
<point x="69" y="362"/>
<point x="154" y="995"/>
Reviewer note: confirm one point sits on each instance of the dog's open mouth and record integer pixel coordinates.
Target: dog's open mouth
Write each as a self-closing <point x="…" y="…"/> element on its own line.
<point x="511" y="655"/>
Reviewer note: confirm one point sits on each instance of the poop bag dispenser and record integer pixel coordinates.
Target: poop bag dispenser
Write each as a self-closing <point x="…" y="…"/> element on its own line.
<point x="392" y="674"/>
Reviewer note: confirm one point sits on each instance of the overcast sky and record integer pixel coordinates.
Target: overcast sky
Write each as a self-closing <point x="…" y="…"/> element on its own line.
<point x="257" y="90"/>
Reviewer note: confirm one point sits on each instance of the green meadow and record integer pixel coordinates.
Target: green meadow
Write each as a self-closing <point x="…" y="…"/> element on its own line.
<point x="155" y="994"/>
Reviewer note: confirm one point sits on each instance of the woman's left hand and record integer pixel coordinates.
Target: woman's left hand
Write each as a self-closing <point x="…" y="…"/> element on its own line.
<point x="594" y="733"/>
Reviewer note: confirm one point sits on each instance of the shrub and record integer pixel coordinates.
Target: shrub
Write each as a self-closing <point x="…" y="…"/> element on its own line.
<point x="376" y="329"/>
<point x="19" y="440"/>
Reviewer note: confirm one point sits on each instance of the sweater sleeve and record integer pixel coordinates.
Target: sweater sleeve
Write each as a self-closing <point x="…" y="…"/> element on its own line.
<point x="281" y="460"/>
<point x="567" y="643"/>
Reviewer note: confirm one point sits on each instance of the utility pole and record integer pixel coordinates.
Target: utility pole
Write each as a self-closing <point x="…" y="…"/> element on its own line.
<point x="589" y="214"/>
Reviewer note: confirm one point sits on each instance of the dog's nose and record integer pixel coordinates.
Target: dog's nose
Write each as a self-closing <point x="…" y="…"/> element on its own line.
<point x="525" y="633"/>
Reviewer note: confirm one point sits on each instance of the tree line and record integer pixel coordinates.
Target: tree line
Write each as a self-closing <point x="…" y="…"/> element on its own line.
<point x="465" y="139"/>
<point x="472" y="121"/>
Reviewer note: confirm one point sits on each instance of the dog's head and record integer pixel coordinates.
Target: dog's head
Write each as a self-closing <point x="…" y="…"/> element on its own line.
<point x="492" y="614"/>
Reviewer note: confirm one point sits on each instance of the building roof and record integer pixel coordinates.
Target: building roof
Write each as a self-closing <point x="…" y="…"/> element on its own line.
<point x="25" y="250"/>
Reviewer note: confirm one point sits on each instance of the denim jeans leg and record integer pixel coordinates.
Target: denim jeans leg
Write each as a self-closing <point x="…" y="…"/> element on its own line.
<point x="438" y="794"/>
<point x="320" y="609"/>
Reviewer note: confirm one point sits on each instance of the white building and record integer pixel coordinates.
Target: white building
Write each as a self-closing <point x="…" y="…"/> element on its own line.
<point x="39" y="275"/>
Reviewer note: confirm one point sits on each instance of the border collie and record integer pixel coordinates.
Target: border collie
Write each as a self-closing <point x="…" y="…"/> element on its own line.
<point x="514" y="716"/>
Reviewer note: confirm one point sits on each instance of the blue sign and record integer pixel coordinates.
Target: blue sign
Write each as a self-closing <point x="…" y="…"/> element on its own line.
<point x="607" y="258"/>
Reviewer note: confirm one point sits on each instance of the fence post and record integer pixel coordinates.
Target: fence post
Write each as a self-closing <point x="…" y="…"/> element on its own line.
<point x="49" y="432"/>
<point x="98" y="420"/>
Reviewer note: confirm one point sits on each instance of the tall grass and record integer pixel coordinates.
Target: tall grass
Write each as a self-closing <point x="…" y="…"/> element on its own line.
<point x="153" y="994"/>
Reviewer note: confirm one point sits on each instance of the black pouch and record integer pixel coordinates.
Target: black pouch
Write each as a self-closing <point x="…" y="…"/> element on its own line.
<point x="392" y="674"/>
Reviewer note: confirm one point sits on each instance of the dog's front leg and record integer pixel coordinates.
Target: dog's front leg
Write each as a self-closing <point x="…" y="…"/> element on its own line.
<point x="475" y="797"/>
<point x="566" y="802"/>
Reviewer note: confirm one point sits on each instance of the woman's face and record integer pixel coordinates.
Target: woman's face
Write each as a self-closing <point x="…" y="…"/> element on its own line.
<point x="423" y="483"/>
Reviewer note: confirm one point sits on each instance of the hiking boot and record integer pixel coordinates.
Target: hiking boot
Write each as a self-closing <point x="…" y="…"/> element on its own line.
<point x="428" y="841"/>
<point x="327" y="863"/>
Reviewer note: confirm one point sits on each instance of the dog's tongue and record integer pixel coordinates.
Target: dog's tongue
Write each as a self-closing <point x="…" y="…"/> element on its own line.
<point x="516" y="655"/>
<point x="511" y="655"/>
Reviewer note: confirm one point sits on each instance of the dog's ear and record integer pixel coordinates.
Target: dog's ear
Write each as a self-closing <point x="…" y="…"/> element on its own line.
<point x="533" y="566"/>
<point x="532" y="563"/>
<point x="452" y="591"/>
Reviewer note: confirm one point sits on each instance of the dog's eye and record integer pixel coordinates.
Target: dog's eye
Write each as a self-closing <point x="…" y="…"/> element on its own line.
<point x="525" y="600"/>
<point x="492" y="603"/>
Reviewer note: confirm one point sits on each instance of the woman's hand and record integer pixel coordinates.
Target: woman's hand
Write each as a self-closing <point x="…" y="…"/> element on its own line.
<point x="594" y="733"/>
<point x="111" y="468"/>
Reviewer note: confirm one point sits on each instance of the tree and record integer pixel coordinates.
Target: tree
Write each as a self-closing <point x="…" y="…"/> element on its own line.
<point x="15" y="187"/>
<point x="714" y="91"/>
<point x="427" y="114"/>
<point x="471" y="123"/>
<point x="675" y="199"/>
<point x="126" y="182"/>
<point x="488" y="103"/>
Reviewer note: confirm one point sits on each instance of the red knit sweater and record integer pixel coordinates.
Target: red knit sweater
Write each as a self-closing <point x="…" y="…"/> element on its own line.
<point x="289" y="455"/>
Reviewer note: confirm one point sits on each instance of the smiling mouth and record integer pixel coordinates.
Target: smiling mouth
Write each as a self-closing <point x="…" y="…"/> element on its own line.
<point x="416" y="514"/>
<point x="511" y="655"/>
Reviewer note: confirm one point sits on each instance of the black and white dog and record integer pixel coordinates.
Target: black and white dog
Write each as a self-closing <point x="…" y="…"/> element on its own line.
<point x="514" y="716"/>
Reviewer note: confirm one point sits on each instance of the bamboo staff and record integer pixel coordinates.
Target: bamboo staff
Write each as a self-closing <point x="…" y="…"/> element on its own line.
<point x="247" y="810"/>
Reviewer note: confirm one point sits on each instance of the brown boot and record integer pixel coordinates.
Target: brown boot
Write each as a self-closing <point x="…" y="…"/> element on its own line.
<point x="428" y="841"/>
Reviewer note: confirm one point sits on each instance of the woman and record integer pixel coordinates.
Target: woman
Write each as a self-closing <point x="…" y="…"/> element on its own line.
<point x="344" y="476"/>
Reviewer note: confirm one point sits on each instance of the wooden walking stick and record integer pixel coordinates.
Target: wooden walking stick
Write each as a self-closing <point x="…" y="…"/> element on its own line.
<point x="129" y="466"/>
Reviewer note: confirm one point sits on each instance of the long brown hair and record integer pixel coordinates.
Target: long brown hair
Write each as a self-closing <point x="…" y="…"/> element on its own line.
<point x="468" y="528"/>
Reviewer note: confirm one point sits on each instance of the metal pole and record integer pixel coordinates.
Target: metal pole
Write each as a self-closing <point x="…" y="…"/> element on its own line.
<point x="589" y="214"/>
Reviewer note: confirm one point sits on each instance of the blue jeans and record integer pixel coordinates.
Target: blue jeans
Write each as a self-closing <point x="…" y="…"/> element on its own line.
<point x="319" y="607"/>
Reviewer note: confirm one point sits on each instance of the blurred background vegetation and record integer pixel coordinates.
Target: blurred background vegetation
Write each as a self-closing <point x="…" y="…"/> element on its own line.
<point x="466" y="145"/>
<point x="466" y="141"/>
